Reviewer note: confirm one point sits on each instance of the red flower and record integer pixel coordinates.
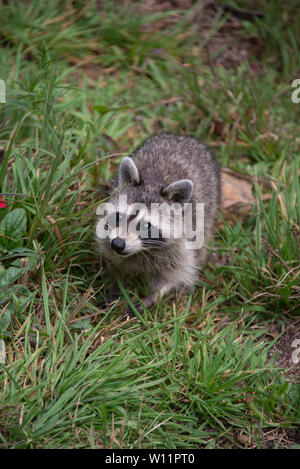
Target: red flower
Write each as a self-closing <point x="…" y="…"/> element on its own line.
<point x="2" y="203"/>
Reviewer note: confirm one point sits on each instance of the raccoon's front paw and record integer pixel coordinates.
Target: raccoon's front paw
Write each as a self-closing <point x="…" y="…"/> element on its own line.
<point x="128" y="313"/>
<point x="140" y="306"/>
<point x="108" y="300"/>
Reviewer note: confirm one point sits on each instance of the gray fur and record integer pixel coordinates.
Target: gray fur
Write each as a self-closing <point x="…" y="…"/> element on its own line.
<point x="163" y="166"/>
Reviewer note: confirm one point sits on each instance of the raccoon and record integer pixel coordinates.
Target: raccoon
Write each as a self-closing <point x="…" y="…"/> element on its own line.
<point x="165" y="171"/>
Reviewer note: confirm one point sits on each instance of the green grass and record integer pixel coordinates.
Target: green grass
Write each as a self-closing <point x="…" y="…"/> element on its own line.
<point x="84" y="87"/>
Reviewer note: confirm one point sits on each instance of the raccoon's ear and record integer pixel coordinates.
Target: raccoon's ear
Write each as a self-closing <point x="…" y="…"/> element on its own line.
<point x="128" y="172"/>
<point x="179" y="191"/>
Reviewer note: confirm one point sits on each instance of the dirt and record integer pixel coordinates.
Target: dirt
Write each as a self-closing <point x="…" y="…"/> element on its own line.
<point x="229" y="45"/>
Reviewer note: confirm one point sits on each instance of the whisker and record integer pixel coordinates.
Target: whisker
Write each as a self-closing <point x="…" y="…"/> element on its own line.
<point x="145" y="258"/>
<point x="153" y="242"/>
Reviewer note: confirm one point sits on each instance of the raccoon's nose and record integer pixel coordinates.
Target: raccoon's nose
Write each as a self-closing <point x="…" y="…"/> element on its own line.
<point x="118" y="244"/>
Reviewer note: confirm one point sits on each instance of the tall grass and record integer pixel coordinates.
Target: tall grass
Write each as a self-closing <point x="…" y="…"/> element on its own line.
<point x="86" y="84"/>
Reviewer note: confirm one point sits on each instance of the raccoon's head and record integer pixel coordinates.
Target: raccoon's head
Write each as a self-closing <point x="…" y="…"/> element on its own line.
<point x="127" y="226"/>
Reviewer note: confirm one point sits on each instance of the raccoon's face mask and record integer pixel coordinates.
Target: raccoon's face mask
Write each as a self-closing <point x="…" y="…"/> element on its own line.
<point x="130" y="231"/>
<point x="133" y="228"/>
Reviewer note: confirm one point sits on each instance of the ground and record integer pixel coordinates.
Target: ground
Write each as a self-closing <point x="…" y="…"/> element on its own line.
<point x="87" y="82"/>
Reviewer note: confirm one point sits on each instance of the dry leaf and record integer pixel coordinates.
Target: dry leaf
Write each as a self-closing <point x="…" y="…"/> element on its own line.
<point x="237" y="199"/>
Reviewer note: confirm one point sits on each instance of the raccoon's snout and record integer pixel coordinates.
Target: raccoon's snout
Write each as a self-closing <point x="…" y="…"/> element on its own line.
<point x="118" y="245"/>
